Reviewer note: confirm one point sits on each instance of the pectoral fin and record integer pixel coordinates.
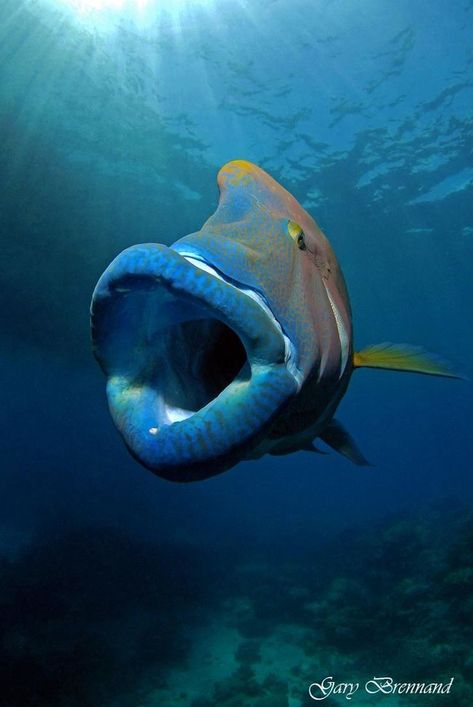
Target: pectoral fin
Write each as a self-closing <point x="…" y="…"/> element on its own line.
<point x="402" y="357"/>
<point x="336" y="436"/>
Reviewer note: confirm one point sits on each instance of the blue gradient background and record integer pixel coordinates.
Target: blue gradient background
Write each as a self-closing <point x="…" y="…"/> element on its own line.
<point x="363" y="110"/>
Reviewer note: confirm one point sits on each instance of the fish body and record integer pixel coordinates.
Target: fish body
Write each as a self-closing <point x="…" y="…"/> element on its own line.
<point x="234" y="342"/>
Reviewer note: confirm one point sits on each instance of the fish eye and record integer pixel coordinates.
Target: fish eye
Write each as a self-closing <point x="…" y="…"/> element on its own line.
<point x="297" y="234"/>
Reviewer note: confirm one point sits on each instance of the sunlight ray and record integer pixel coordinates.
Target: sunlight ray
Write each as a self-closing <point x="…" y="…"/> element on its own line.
<point x="106" y="14"/>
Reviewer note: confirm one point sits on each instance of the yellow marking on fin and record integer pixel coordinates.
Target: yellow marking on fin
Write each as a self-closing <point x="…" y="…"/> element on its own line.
<point x="402" y="357"/>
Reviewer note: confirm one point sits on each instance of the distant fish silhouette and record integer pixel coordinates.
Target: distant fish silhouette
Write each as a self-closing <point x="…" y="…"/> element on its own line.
<point x="236" y="341"/>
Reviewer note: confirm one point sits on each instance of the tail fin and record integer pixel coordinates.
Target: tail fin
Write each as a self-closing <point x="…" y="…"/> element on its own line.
<point x="402" y="357"/>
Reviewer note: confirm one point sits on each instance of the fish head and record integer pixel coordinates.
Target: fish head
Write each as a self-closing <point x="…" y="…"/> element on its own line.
<point x="205" y="343"/>
<point x="262" y="239"/>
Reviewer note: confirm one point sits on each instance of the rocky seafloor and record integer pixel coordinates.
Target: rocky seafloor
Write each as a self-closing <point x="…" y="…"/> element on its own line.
<point x="92" y="617"/>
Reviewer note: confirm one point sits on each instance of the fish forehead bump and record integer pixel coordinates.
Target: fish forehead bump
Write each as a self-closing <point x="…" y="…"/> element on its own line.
<point x="243" y="175"/>
<point x="240" y="176"/>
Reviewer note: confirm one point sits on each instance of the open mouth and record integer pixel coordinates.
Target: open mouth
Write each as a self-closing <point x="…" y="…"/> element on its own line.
<point x="207" y="356"/>
<point x="197" y="367"/>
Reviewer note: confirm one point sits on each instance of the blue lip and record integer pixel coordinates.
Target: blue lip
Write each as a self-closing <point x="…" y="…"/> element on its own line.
<point x="196" y="368"/>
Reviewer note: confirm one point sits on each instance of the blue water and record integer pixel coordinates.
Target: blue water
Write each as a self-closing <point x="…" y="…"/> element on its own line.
<point x="118" y="588"/>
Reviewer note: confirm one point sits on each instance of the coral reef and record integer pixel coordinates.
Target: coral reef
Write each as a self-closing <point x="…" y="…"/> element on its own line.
<point x="94" y="617"/>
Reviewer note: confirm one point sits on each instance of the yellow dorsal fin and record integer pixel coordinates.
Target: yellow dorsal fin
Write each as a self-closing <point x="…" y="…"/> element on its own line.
<point x="402" y="357"/>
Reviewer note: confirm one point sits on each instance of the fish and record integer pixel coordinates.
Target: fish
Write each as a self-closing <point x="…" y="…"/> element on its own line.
<point x="237" y="340"/>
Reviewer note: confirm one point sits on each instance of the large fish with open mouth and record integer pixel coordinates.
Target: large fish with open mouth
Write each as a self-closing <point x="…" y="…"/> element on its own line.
<point x="234" y="342"/>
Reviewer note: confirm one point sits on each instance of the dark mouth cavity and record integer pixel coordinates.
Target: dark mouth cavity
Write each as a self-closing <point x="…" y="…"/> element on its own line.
<point x="198" y="360"/>
<point x="174" y="350"/>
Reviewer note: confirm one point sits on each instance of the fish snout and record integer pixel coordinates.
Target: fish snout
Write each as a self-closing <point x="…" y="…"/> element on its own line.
<point x="197" y="368"/>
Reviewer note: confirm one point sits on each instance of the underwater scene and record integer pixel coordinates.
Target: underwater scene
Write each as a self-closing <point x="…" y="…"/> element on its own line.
<point x="212" y="214"/>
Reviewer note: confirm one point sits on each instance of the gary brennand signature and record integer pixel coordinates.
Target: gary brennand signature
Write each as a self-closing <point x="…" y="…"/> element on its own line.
<point x="384" y="685"/>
